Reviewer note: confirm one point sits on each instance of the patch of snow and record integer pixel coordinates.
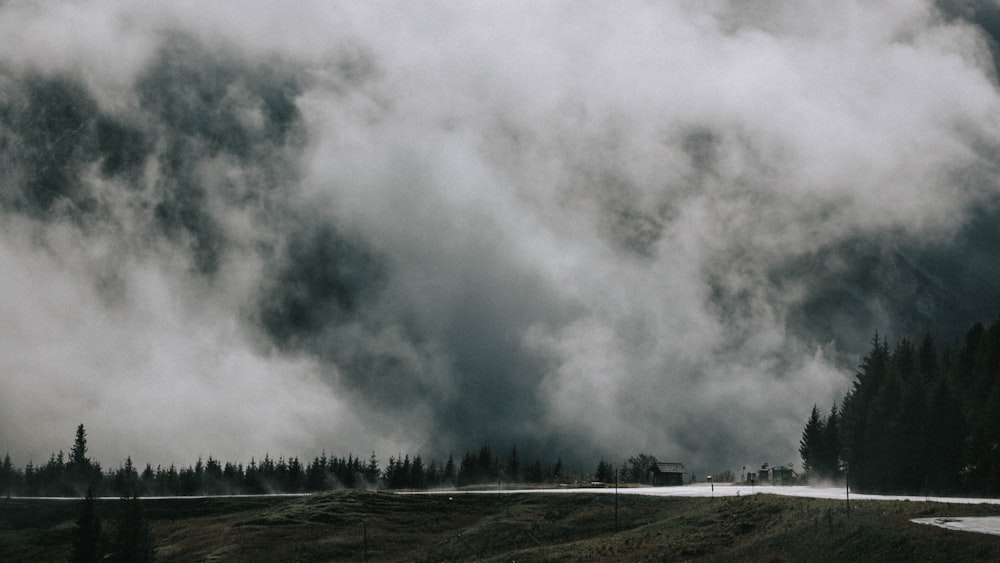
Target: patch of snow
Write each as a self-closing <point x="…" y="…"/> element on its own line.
<point x="980" y="524"/>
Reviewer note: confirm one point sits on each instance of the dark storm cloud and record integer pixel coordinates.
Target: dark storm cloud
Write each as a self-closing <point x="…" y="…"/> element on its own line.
<point x="208" y="105"/>
<point x="193" y="108"/>
<point x="323" y="281"/>
<point x="236" y="107"/>
<point x="587" y="230"/>
<point x="457" y="349"/>
<point x="985" y="14"/>
<point x="50" y="133"/>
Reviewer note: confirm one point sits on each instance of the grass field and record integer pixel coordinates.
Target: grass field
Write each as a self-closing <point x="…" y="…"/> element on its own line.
<point x="347" y="525"/>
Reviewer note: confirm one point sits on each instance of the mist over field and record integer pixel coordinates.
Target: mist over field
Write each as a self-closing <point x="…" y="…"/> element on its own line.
<point x="585" y="229"/>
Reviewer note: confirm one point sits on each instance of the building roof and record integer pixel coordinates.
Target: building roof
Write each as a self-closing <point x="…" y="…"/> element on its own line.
<point x="670" y="467"/>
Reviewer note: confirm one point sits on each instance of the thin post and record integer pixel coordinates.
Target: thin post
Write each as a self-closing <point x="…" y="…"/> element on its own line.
<point x="364" y="525"/>
<point x="847" y="454"/>
<point x="847" y="487"/>
<point x="616" y="501"/>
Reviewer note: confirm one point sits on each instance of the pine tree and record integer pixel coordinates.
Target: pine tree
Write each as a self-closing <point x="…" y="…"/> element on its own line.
<point x="432" y="477"/>
<point x="371" y="471"/>
<point x="512" y="470"/>
<point x="80" y="472"/>
<point x="970" y="365"/>
<point x="831" y="445"/>
<point x="534" y="473"/>
<point x="604" y="472"/>
<point x="449" y="470"/>
<point x="296" y="475"/>
<point x="811" y="444"/>
<point x="78" y="455"/>
<point x="487" y="465"/>
<point x="417" y="478"/>
<point x="861" y="426"/>
<point x="390" y="475"/>
<point x="147" y="481"/>
<point x="637" y="468"/>
<point x="946" y="432"/>
<point x="910" y="424"/>
<point x="7" y="475"/>
<point x="468" y="470"/>
<point x="87" y="546"/>
<point x="316" y="473"/>
<point x="885" y="431"/>
<point x="130" y="478"/>
<point x="133" y="542"/>
<point x="557" y="470"/>
<point x="927" y="360"/>
<point x="990" y="411"/>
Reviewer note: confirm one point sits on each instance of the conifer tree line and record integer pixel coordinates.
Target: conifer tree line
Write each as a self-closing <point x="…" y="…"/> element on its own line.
<point x="75" y="474"/>
<point x="917" y="419"/>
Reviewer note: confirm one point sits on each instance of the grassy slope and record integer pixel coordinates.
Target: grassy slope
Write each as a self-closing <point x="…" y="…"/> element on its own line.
<point x="537" y="527"/>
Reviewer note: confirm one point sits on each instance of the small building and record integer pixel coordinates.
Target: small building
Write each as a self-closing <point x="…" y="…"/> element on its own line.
<point x="768" y="475"/>
<point x="782" y="475"/>
<point x="666" y="474"/>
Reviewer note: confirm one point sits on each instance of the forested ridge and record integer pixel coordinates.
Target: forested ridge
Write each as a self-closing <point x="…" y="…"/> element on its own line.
<point x="75" y="474"/>
<point x="918" y="418"/>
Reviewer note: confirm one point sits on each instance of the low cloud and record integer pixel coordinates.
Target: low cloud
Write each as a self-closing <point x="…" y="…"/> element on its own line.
<point x="588" y="231"/>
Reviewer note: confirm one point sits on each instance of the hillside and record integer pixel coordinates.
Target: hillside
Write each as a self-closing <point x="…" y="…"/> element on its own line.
<point x="522" y="527"/>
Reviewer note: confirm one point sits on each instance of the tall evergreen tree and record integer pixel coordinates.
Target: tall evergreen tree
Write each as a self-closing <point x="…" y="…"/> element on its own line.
<point x="911" y="420"/>
<point x="927" y="360"/>
<point x="557" y="470"/>
<point x="970" y="366"/>
<point x="432" y="477"/>
<point x="449" y="471"/>
<point x="811" y="443"/>
<point x="468" y="470"/>
<point x="126" y="479"/>
<point x="417" y="478"/>
<point x="605" y="472"/>
<point x="133" y="541"/>
<point x="371" y="471"/>
<point x="487" y="468"/>
<point x="7" y="475"/>
<point x="637" y="468"/>
<point x="87" y="546"/>
<point x="533" y="473"/>
<point x="78" y="454"/>
<point x="860" y="423"/>
<point x="80" y="472"/>
<point x="945" y="438"/>
<point x="512" y="469"/>
<point x="831" y="445"/>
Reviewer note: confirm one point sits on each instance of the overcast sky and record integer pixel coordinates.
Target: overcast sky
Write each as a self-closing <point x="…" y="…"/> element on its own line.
<point x="583" y="228"/>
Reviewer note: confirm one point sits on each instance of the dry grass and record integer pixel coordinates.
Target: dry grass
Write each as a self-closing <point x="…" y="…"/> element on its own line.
<point x="518" y="527"/>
